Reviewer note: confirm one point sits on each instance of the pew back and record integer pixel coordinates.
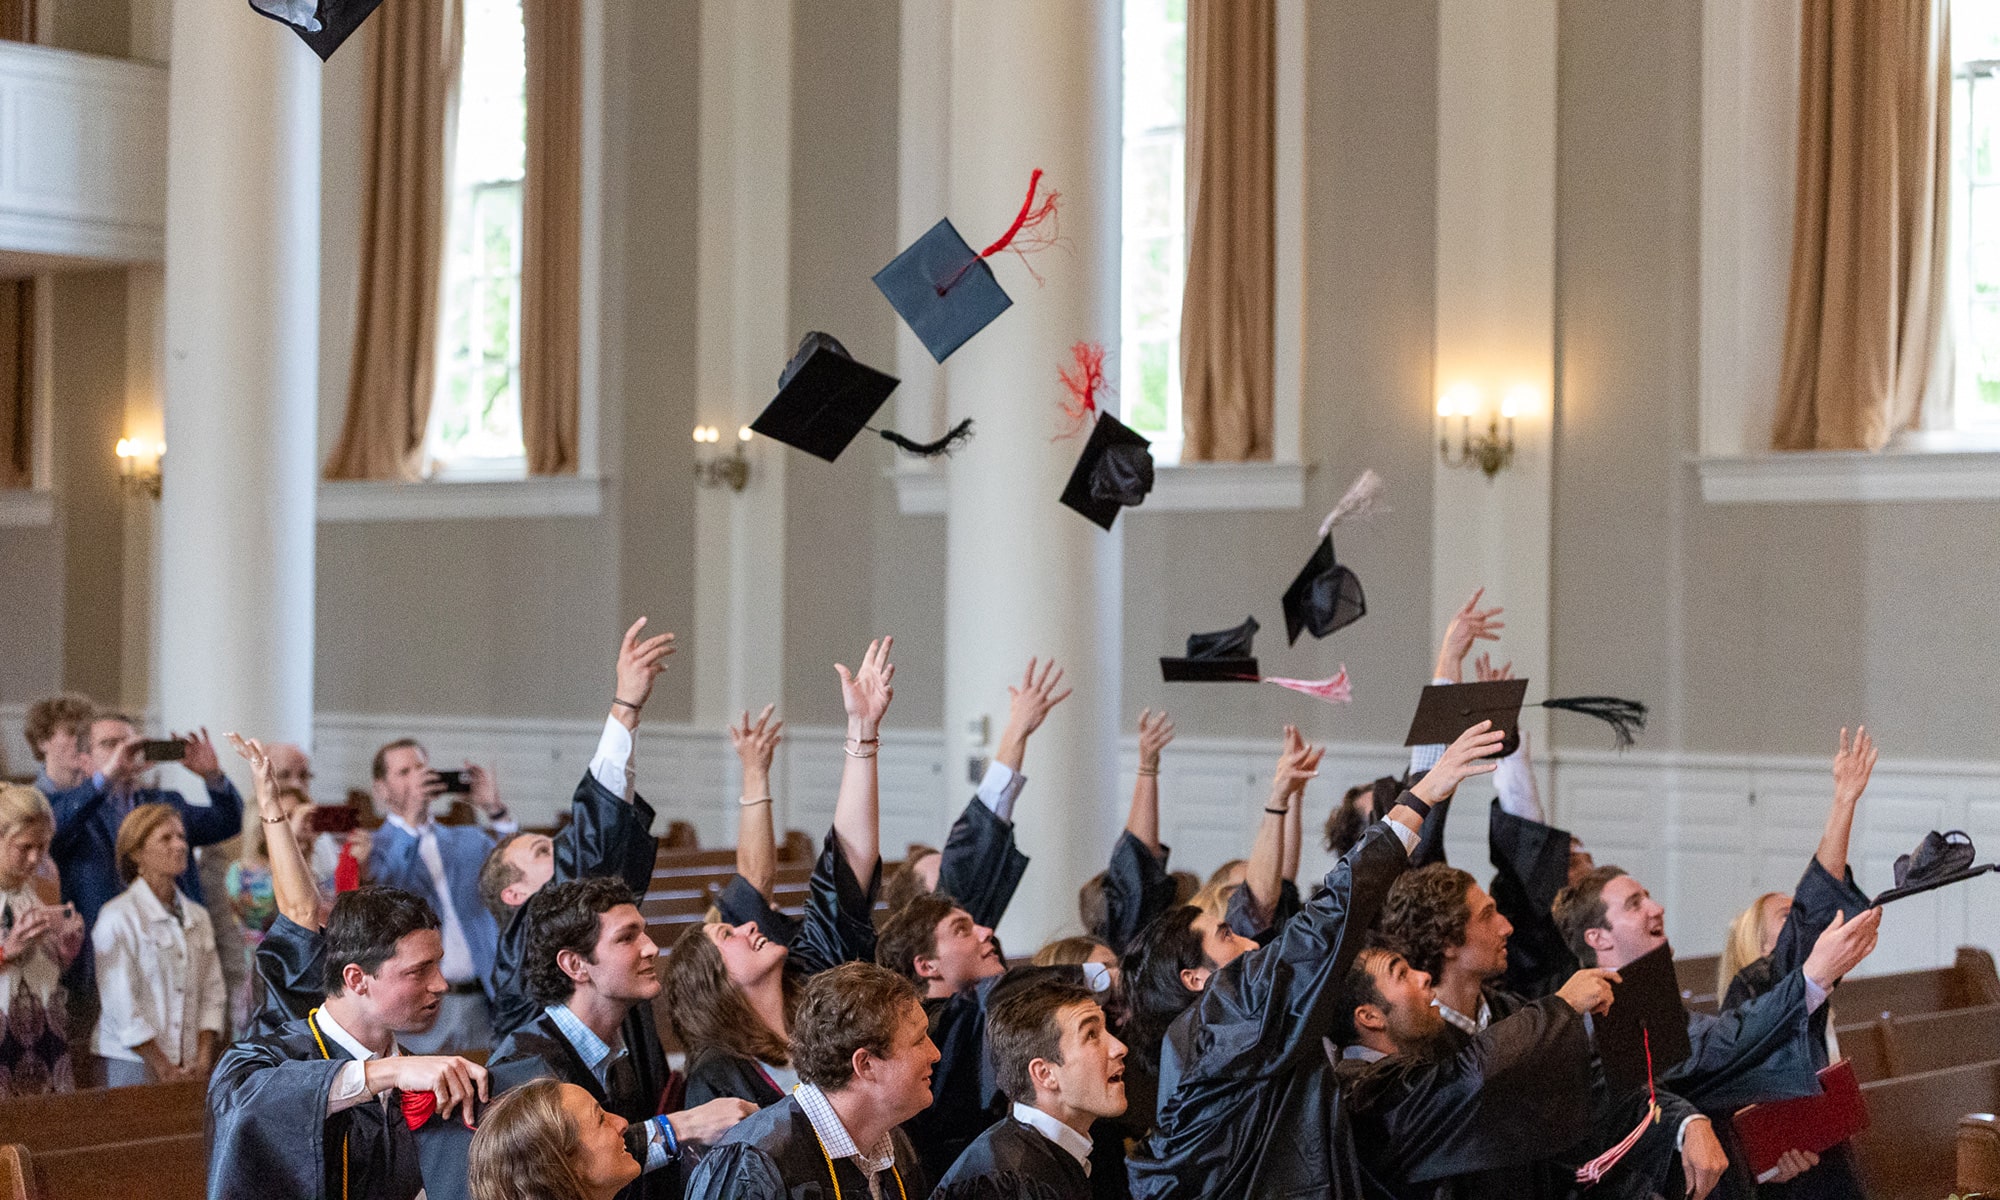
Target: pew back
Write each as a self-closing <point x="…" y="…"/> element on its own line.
<point x="1969" y="981"/>
<point x="1978" y="1153"/>
<point x="73" y="1120"/>
<point x="162" y="1168"/>
<point x="1908" y="1151"/>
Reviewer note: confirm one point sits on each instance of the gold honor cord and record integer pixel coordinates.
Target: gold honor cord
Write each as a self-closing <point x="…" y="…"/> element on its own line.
<point x="312" y="1023"/>
<point x="835" y="1175"/>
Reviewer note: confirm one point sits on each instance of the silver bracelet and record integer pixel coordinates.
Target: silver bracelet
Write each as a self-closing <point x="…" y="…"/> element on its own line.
<point x="752" y="803"/>
<point x="853" y="753"/>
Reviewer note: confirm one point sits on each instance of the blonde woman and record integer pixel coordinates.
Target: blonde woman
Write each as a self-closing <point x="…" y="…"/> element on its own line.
<point x="1752" y="935"/>
<point x="37" y="941"/>
<point x="159" y="977"/>
<point x="549" y="1140"/>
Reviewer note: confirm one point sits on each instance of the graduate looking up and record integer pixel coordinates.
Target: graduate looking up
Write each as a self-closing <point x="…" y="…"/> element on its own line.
<point x="864" y="1058"/>
<point x="1062" y="1068"/>
<point x="549" y="1141"/>
<point x="610" y="831"/>
<point x="1253" y="1111"/>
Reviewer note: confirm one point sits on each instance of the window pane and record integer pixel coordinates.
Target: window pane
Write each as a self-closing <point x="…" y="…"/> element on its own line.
<point x="476" y="411"/>
<point x="1154" y="220"/>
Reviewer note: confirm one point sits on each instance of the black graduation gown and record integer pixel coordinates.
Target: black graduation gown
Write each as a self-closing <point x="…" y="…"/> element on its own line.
<point x="605" y="836"/>
<point x="1014" y="1161"/>
<point x="775" y="1155"/>
<point x="741" y="903"/>
<point x="714" y="1072"/>
<point x="965" y="1093"/>
<point x="1245" y="919"/>
<point x="1252" y="1112"/>
<point x="1137" y="888"/>
<point x="980" y="866"/>
<point x="1531" y="864"/>
<point x="1513" y="1094"/>
<point x="1815" y="901"/>
<point x="269" y="1135"/>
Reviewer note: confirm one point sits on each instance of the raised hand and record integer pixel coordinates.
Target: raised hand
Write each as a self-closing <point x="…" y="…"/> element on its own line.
<point x="1468" y="756"/>
<point x="266" y="784"/>
<point x="1589" y="990"/>
<point x="201" y="757"/>
<point x="1156" y="730"/>
<point x="867" y="690"/>
<point x="1298" y="763"/>
<point x="484" y="793"/>
<point x="128" y="762"/>
<point x="639" y="665"/>
<point x="1485" y="672"/>
<point x="756" y="744"/>
<point x="1470" y="624"/>
<point x="1852" y="766"/>
<point x="1027" y="707"/>
<point x="1842" y="947"/>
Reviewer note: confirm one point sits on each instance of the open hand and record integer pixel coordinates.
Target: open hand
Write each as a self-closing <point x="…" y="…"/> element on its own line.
<point x="265" y="783"/>
<point x="867" y="690"/>
<point x="1485" y="672"/>
<point x="640" y="664"/>
<point x="1842" y="947"/>
<point x="756" y="744"/>
<point x="1470" y="624"/>
<point x="1156" y="730"/>
<point x="1298" y="763"/>
<point x="1852" y="766"/>
<point x="1468" y="756"/>
<point x="1030" y="704"/>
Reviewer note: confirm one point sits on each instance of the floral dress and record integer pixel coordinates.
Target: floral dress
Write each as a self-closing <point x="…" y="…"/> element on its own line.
<point x="34" y="1011"/>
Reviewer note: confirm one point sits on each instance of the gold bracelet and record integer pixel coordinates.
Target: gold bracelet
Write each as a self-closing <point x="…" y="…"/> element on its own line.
<point x="1149" y="771"/>
<point x="273" y="820"/>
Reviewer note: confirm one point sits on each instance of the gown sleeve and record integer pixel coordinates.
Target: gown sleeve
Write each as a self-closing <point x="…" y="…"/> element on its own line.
<point x="1531" y="864"/>
<point x="291" y="960"/>
<point x="1815" y="902"/>
<point x="1137" y="888"/>
<point x="839" y="920"/>
<point x="1759" y="1051"/>
<point x="736" y="1171"/>
<point x="267" y="1123"/>
<point x="980" y="866"/>
<point x="741" y="903"/>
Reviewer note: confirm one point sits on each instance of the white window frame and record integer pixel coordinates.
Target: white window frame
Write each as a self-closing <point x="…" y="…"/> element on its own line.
<point x="1749" y="133"/>
<point x="470" y="495"/>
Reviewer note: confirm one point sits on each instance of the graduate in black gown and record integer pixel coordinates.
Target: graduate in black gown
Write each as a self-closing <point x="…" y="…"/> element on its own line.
<point x="1253" y="1108"/>
<point x="864" y="1056"/>
<point x="1134" y="888"/>
<point x="1059" y="1064"/>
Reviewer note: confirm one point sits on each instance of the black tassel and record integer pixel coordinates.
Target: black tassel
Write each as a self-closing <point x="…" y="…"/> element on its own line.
<point x="960" y="434"/>
<point x="1624" y="716"/>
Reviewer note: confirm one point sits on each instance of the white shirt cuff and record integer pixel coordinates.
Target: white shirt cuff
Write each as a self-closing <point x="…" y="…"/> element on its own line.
<point x="350" y="1087"/>
<point x="1514" y="780"/>
<point x="1000" y="788"/>
<point x="1680" y="1135"/>
<point x="1404" y="834"/>
<point x="1423" y="758"/>
<point x="611" y="765"/>
<point x="1815" y="996"/>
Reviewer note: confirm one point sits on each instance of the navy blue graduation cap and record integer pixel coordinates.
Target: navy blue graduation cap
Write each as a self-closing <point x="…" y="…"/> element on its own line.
<point x="1223" y="656"/>
<point x="825" y="398"/>
<point x="1114" y="471"/>
<point x="320" y="24"/>
<point x="944" y="291"/>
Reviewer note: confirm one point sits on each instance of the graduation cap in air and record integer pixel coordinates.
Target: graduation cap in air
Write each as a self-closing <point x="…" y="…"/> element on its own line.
<point x="944" y="291"/>
<point x="1223" y="656"/>
<point x="320" y="24"/>
<point x="1940" y="860"/>
<point x="825" y="398"/>
<point x="1327" y="596"/>
<point x="1114" y="471"/>
<point x="1446" y="710"/>
<point x="1644" y="1034"/>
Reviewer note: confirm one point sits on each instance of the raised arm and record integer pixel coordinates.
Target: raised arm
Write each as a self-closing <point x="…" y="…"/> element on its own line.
<point x="292" y="882"/>
<point x="1143" y="819"/>
<point x="1027" y="707"/>
<point x="1297" y="763"/>
<point x="857" y="814"/>
<point x="1470" y="624"/>
<point x="756" y="841"/>
<point x="640" y="664"/>
<point x="1852" y="767"/>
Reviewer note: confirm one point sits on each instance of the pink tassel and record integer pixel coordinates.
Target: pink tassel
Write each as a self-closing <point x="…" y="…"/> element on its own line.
<point x="1334" y="690"/>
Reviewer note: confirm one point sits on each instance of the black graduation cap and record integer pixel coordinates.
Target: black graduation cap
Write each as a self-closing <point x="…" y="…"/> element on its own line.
<point x="1325" y="597"/>
<point x="1646" y="1015"/>
<point x="1114" y="471"/>
<point x="824" y="398"/>
<point x="1223" y="656"/>
<point x="1446" y="710"/>
<point x="1939" y="860"/>
<point x="943" y="290"/>
<point x="320" y="24"/>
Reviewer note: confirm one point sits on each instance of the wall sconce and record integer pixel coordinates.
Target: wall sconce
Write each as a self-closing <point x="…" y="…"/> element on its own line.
<point x="1489" y="451"/>
<point x="730" y="470"/>
<point x="140" y="465"/>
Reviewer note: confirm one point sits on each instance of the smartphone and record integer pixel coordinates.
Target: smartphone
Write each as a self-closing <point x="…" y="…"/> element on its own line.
<point x="334" y="818"/>
<point x="165" y="750"/>
<point x="453" y="781"/>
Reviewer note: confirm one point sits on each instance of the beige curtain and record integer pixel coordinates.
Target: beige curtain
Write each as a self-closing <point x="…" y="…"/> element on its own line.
<point x="414" y="53"/>
<point x="1867" y="306"/>
<point x="17" y="20"/>
<point x="551" y="237"/>
<point x="17" y="373"/>
<point x="1226" y="310"/>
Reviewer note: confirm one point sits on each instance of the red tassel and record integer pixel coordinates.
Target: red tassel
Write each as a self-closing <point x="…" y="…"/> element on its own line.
<point x="1084" y="383"/>
<point x="418" y="1108"/>
<point x="346" y="871"/>
<point x="1037" y="223"/>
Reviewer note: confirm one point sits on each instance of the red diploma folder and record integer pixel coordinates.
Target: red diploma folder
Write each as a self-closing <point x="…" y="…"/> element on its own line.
<point x="1815" y="1123"/>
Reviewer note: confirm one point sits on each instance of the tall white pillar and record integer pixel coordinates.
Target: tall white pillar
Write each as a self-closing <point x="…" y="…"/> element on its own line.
<point x="242" y="361"/>
<point x="1035" y="83"/>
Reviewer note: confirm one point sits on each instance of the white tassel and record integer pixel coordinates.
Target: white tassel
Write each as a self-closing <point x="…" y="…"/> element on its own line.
<point x="1363" y="500"/>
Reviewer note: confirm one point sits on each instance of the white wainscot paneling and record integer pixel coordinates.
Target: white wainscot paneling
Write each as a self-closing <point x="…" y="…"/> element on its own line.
<point x="83" y="168"/>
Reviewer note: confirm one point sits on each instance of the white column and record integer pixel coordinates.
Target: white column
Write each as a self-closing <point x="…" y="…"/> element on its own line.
<point x="1496" y="313"/>
<point x="1035" y="84"/>
<point x="242" y="362"/>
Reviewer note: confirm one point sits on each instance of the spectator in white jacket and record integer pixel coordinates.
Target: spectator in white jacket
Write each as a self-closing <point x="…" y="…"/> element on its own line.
<point x="158" y="973"/>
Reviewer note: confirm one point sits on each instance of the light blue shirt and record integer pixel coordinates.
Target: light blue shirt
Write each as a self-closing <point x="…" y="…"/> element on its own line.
<point x="598" y="1055"/>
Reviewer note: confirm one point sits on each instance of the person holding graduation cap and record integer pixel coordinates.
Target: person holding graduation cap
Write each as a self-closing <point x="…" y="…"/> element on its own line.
<point x="1063" y="1070"/>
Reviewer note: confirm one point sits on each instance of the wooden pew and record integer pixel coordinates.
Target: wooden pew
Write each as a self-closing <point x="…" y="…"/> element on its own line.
<point x="1892" y="1046"/>
<point x="1969" y="981"/>
<point x="1697" y="979"/>
<point x="17" y="1174"/>
<point x="161" y="1168"/>
<point x="73" y="1120"/>
<point x="1978" y="1153"/>
<point x="1909" y="1150"/>
<point x="1868" y="1049"/>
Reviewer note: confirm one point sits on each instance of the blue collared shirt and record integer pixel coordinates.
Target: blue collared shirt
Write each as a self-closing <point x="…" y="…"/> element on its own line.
<point x="597" y="1056"/>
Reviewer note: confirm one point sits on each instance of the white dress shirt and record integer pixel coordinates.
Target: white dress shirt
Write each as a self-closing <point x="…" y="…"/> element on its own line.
<point x="159" y="977"/>
<point x="1057" y="1132"/>
<point x="350" y="1083"/>
<point x="611" y="765"/>
<point x="1000" y="787"/>
<point x="836" y="1142"/>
